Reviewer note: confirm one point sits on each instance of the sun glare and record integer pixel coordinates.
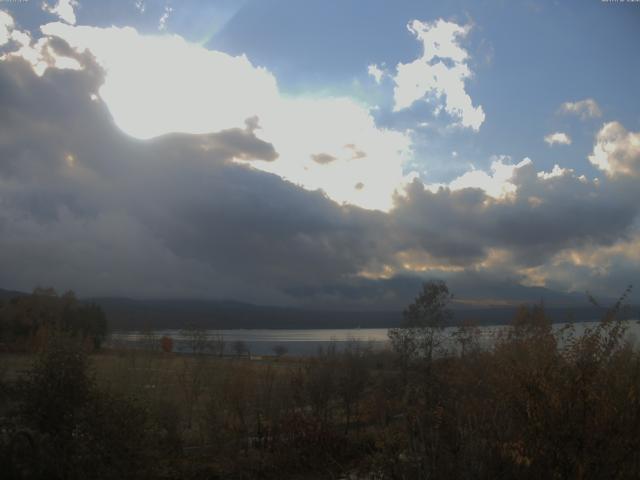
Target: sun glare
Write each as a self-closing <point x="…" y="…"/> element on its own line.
<point x="183" y="87"/>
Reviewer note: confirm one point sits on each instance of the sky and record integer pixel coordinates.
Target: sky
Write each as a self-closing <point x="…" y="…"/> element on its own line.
<point x="323" y="154"/>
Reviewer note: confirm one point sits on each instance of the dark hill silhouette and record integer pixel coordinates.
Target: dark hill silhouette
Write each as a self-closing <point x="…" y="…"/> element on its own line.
<point x="129" y="314"/>
<point x="134" y="314"/>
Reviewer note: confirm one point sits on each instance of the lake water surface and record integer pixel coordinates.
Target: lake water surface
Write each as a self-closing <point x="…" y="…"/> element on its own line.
<point x="307" y="342"/>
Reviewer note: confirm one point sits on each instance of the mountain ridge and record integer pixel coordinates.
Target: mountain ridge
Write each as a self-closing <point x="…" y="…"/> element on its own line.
<point x="127" y="314"/>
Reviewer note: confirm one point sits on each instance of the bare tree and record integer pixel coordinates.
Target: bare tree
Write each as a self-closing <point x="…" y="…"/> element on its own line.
<point x="280" y="350"/>
<point x="240" y="348"/>
<point x="353" y="377"/>
<point x="197" y="340"/>
<point x="191" y="378"/>
<point x="466" y="335"/>
<point x="149" y="339"/>
<point x="217" y="344"/>
<point x="191" y="375"/>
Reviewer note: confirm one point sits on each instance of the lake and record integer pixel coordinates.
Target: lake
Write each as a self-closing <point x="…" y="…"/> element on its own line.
<point x="307" y="342"/>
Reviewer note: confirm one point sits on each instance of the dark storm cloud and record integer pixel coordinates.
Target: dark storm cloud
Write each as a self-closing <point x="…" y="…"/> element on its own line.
<point x="572" y="213"/>
<point x="546" y="216"/>
<point x="323" y="158"/>
<point x="242" y="145"/>
<point x="470" y="287"/>
<point x="84" y="206"/>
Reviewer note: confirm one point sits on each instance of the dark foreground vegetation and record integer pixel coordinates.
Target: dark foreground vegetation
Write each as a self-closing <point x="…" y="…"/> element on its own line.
<point x="536" y="404"/>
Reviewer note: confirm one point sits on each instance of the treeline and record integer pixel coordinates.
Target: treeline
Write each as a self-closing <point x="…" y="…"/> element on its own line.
<point x="26" y="321"/>
<point x="533" y="403"/>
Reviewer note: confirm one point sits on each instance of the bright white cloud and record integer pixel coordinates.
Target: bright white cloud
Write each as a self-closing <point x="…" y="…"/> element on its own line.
<point x="376" y="72"/>
<point x="557" y="171"/>
<point x="496" y="183"/>
<point x="140" y="6"/>
<point x="558" y="138"/>
<point x="617" y="151"/>
<point x="64" y="9"/>
<point x="160" y="84"/>
<point x="368" y="161"/>
<point x="162" y="23"/>
<point x="39" y="54"/>
<point x="6" y="25"/>
<point x="499" y="181"/>
<point x="439" y="74"/>
<point x="587" y="108"/>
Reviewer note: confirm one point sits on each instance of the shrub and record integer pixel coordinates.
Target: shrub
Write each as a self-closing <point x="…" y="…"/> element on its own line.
<point x="84" y="432"/>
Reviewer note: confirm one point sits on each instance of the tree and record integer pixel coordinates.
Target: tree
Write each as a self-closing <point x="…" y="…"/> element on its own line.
<point x="58" y="386"/>
<point x="353" y="377"/>
<point x="217" y="344"/>
<point x="420" y="333"/>
<point x="83" y="431"/>
<point x="466" y="336"/>
<point x="196" y="339"/>
<point x="240" y="348"/>
<point x="166" y="343"/>
<point x="280" y="350"/>
<point x="29" y="320"/>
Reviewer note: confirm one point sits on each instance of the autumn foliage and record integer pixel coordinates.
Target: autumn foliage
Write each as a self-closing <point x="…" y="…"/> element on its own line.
<point x="536" y="401"/>
<point x="166" y="344"/>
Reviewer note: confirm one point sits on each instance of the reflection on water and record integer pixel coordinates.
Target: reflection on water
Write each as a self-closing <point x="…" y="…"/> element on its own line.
<point x="307" y="342"/>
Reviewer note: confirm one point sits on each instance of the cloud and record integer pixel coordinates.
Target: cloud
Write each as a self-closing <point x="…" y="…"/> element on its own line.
<point x="140" y="6"/>
<point x="557" y="138"/>
<point x="40" y="54"/>
<point x="210" y="91"/>
<point x="162" y="23"/>
<point x="174" y="215"/>
<point x="617" y="151"/>
<point x="587" y="108"/>
<point x="558" y="171"/>
<point x="64" y="10"/>
<point x="241" y="144"/>
<point x="610" y="268"/>
<point x="542" y="215"/>
<point x="323" y="158"/>
<point x="439" y="75"/>
<point x="161" y="84"/>
<point x="86" y="205"/>
<point x="376" y="72"/>
<point x="496" y="184"/>
<point x="6" y="25"/>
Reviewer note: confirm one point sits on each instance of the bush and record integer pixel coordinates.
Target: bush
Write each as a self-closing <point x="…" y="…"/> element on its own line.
<point x="82" y="431"/>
